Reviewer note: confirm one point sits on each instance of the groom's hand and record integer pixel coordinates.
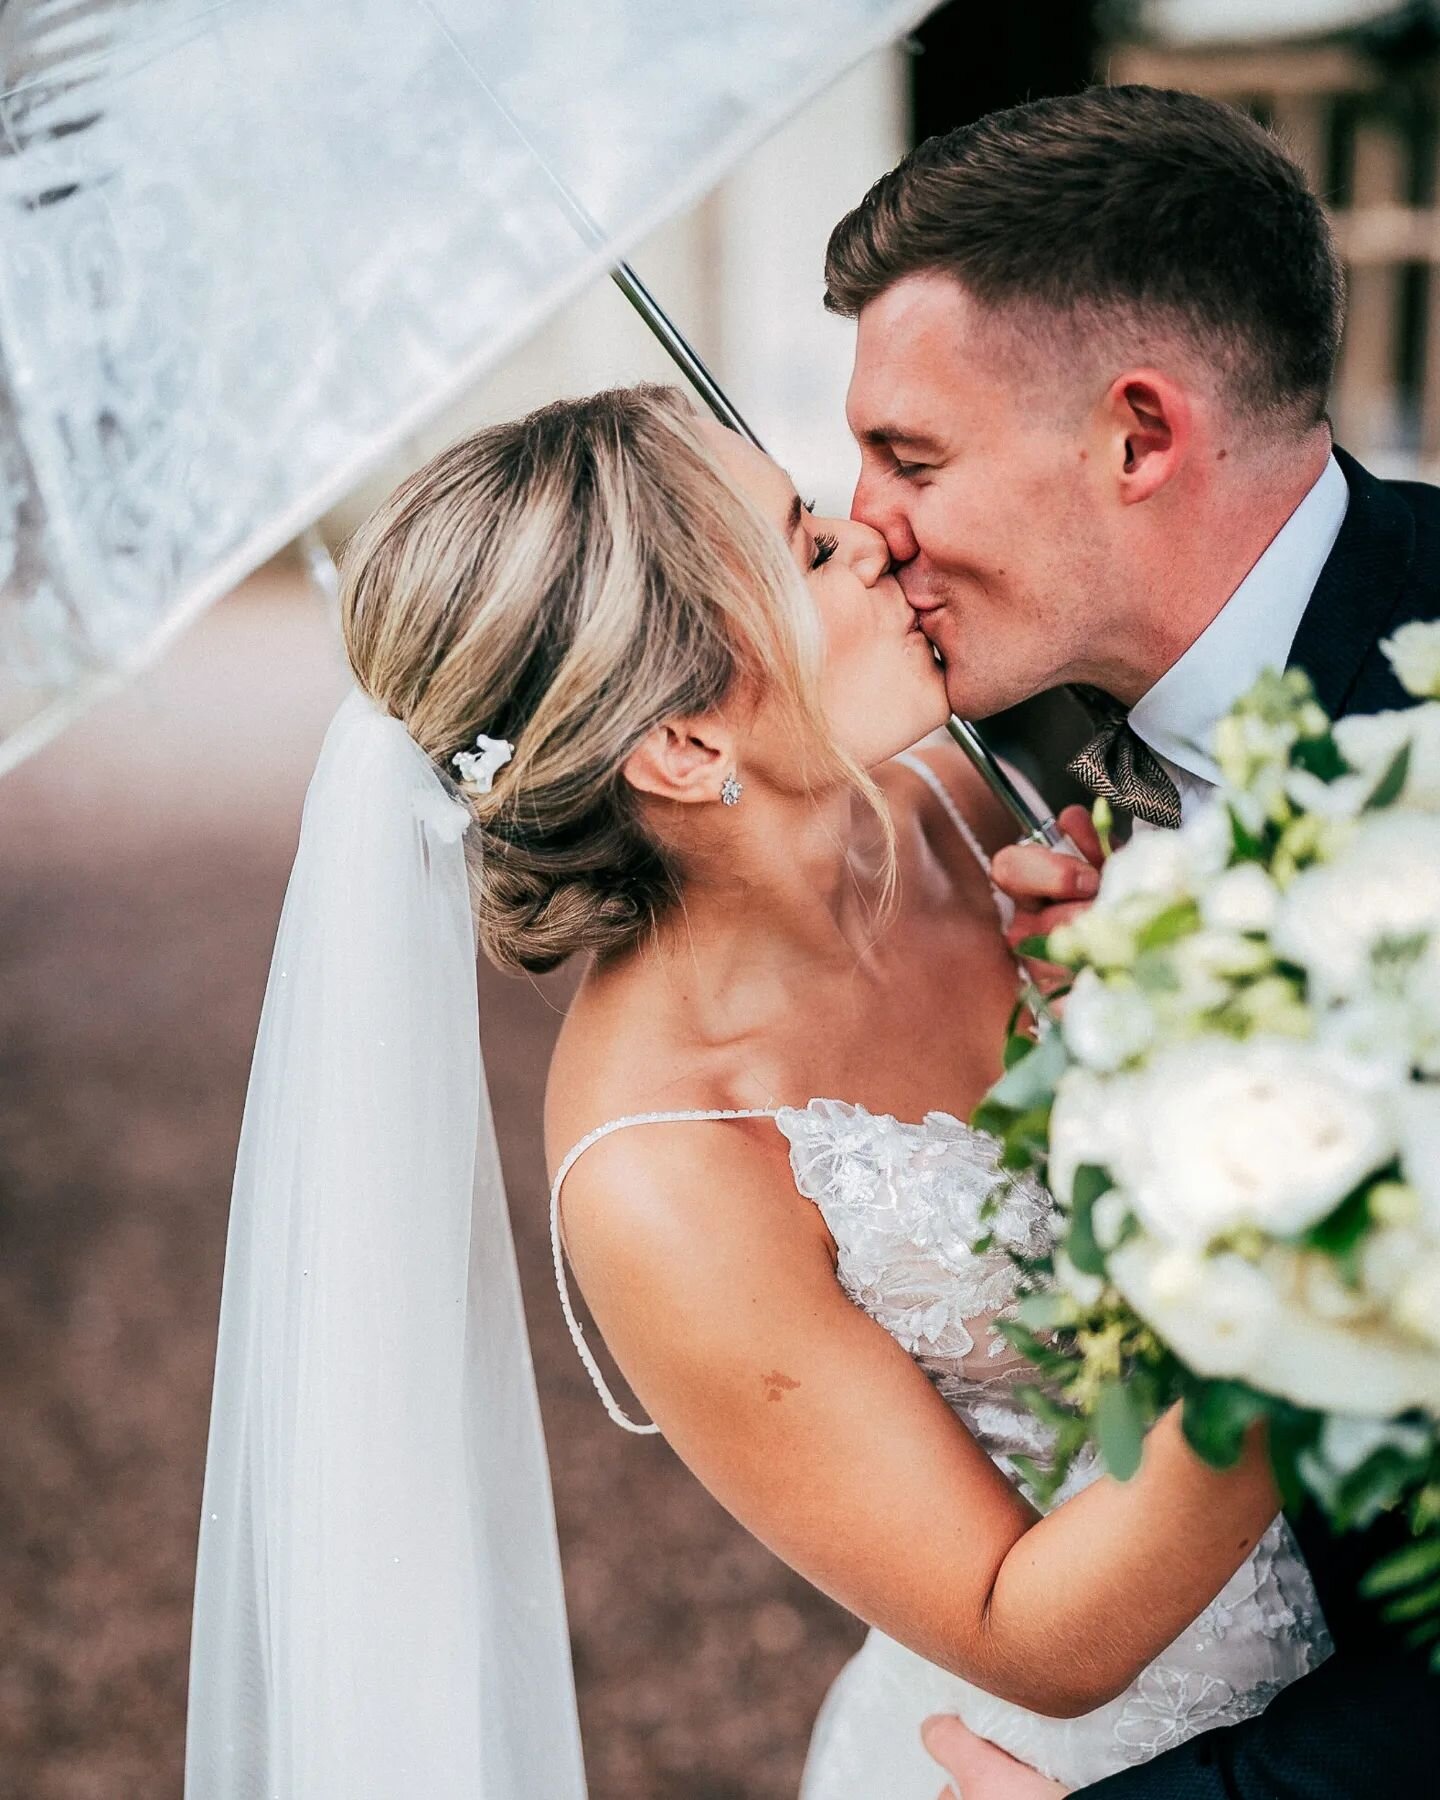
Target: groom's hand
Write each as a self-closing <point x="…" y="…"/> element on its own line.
<point x="1049" y="887"/>
<point x="979" y="1770"/>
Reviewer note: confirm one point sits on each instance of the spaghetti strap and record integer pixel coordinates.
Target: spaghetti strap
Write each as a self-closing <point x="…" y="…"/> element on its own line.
<point x="918" y="766"/>
<point x="557" y="1252"/>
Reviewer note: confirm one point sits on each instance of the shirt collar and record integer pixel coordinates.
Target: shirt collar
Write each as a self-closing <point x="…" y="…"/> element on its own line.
<point x="1252" y="632"/>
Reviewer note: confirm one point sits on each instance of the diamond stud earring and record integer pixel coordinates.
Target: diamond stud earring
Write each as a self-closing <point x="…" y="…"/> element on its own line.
<point x="731" y="789"/>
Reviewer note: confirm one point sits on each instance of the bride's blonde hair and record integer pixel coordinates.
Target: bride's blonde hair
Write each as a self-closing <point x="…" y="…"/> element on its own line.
<point x="567" y="581"/>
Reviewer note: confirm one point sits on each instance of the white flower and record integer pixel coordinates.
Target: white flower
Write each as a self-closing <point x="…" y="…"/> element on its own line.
<point x="1268" y="1132"/>
<point x="1343" y="798"/>
<point x="1098" y="936"/>
<point x="1106" y="1024"/>
<point x="481" y="765"/>
<point x="1346" y="1442"/>
<point x="1414" y="654"/>
<point x="1374" y="1033"/>
<point x="1107" y="1218"/>
<point x="1387" y="1256"/>
<point x="1247" y="746"/>
<point x="1417" y="1118"/>
<point x="1089" y="1123"/>
<point x="1248" y="1321"/>
<point x="1385" y="885"/>
<point x="1217" y="1313"/>
<point x="1417" y="1305"/>
<point x="1370" y="742"/>
<point x="1085" y="1289"/>
<point x="1241" y="899"/>
<point x="1167" y="865"/>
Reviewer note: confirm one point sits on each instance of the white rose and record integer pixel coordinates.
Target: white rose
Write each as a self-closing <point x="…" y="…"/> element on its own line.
<point x="1247" y="1322"/>
<point x="1242" y="899"/>
<point x="1106" y="1024"/>
<point x="1422" y="1002"/>
<point x="1416" y="1108"/>
<point x="1385" y="884"/>
<point x="1097" y="936"/>
<point x="1165" y="866"/>
<point x="1414" y="654"/>
<point x="1089" y="1123"/>
<point x="1217" y="1313"/>
<point x="1268" y="1132"/>
<point x="1346" y="1441"/>
<point x="1374" y="1033"/>
<point x="1370" y="742"/>
<point x="1342" y="798"/>
<point x="1085" y="1289"/>
<point x="1417" y="1305"/>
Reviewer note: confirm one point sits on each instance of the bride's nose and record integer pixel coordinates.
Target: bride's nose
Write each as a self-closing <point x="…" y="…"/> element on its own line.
<point x="865" y="551"/>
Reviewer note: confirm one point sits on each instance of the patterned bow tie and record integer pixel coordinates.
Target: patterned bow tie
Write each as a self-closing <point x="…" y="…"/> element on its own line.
<point x="1121" y="767"/>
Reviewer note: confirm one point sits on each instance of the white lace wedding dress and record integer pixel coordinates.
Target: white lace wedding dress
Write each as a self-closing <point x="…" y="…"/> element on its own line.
<point x="903" y="1203"/>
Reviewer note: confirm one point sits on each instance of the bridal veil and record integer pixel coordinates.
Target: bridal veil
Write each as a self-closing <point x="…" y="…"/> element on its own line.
<point x="378" y="1612"/>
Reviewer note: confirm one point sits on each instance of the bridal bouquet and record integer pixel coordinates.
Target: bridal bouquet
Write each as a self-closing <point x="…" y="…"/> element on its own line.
<point x="1239" y="1116"/>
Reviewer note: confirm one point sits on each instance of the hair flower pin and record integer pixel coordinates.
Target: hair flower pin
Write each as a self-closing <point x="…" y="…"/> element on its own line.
<point x="481" y="765"/>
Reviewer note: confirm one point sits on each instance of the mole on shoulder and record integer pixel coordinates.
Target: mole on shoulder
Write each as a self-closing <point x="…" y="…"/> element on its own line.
<point x="777" y="1385"/>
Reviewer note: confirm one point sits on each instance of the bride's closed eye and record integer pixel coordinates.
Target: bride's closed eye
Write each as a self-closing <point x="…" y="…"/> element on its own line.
<point x="823" y="545"/>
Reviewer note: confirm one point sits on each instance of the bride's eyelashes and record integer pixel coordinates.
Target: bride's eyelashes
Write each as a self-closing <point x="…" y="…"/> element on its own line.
<point x="824" y="545"/>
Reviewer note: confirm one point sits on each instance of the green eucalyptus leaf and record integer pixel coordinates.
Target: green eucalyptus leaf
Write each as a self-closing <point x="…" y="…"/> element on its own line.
<point x="1033" y="1077"/>
<point x="1403" y="1568"/>
<point x="1215" y="1417"/>
<point x="1081" y="1245"/>
<point x="1418" y="1603"/>
<point x="1044" y="1312"/>
<point x="1168" y="927"/>
<point x="1320" y="756"/>
<point x="1392" y="783"/>
<point x="1119" y="1429"/>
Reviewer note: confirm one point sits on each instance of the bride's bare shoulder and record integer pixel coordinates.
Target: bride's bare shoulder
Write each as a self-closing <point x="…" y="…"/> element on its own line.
<point x="626" y="1048"/>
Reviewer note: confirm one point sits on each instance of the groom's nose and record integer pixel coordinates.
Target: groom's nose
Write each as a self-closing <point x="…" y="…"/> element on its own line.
<point x="871" y="506"/>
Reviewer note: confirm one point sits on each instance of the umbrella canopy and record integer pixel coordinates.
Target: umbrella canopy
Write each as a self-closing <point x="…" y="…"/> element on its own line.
<point x="250" y="246"/>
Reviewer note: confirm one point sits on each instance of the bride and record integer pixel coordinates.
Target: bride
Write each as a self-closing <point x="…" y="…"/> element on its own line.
<point x="671" y="712"/>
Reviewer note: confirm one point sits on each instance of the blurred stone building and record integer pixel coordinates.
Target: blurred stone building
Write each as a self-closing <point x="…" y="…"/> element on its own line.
<point x="1354" y="88"/>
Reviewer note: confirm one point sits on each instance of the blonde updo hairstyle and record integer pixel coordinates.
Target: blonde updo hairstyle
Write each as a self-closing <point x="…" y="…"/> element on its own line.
<point x="568" y="581"/>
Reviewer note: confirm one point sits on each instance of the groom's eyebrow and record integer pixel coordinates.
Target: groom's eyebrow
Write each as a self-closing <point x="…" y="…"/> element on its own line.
<point x="882" y="436"/>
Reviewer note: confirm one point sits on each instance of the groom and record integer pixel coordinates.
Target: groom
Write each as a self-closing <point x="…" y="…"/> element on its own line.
<point x="1096" y="339"/>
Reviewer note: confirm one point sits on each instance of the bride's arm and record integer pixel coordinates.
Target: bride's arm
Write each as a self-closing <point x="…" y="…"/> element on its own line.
<point x="713" y="1282"/>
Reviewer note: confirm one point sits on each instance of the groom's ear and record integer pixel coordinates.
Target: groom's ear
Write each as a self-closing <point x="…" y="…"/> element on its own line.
<point x="1147" y="422"/>
<point x="685" y="760"/>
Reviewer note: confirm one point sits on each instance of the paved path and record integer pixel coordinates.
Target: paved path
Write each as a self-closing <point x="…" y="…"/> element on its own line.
<point x="142" y="862"/>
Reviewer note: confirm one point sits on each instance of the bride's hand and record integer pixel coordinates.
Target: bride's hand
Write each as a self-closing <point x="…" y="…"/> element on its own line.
<point x="979" y="1769"/>
<point x="1049" y="887"/>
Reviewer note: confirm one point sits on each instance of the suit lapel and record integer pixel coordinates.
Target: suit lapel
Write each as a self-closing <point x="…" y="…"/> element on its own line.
<point x="1360" y="588"/>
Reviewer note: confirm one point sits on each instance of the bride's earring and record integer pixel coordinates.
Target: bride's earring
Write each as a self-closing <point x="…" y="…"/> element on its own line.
<point x="731" y="789"/>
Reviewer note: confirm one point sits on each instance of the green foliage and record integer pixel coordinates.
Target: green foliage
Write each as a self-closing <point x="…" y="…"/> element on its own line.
<point x="1119" y="1429"/>
<point x="1081" y="1245"/>
<point x="1215" y="1418"/>
<point x="1392" y="783"/>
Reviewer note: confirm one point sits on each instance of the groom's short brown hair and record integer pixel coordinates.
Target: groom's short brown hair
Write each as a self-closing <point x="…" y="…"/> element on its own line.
<point x="1135" y="202"/>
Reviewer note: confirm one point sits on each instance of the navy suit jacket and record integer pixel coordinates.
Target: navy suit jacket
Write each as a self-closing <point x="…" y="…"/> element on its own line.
<point x="1366" y="1724"/>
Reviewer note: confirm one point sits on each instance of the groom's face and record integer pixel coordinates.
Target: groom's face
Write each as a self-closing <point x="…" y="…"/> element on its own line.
<point x="974" y="468"/>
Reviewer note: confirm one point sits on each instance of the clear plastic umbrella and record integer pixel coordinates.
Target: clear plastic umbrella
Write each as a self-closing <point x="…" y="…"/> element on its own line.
<point x="250" y="245"/>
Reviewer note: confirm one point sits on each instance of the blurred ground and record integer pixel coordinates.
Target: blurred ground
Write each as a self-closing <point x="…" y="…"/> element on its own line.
<point x="142" y="862"/>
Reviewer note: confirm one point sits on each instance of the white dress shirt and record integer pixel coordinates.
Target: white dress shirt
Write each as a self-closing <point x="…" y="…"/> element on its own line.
<point x="1252" y="632"/>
